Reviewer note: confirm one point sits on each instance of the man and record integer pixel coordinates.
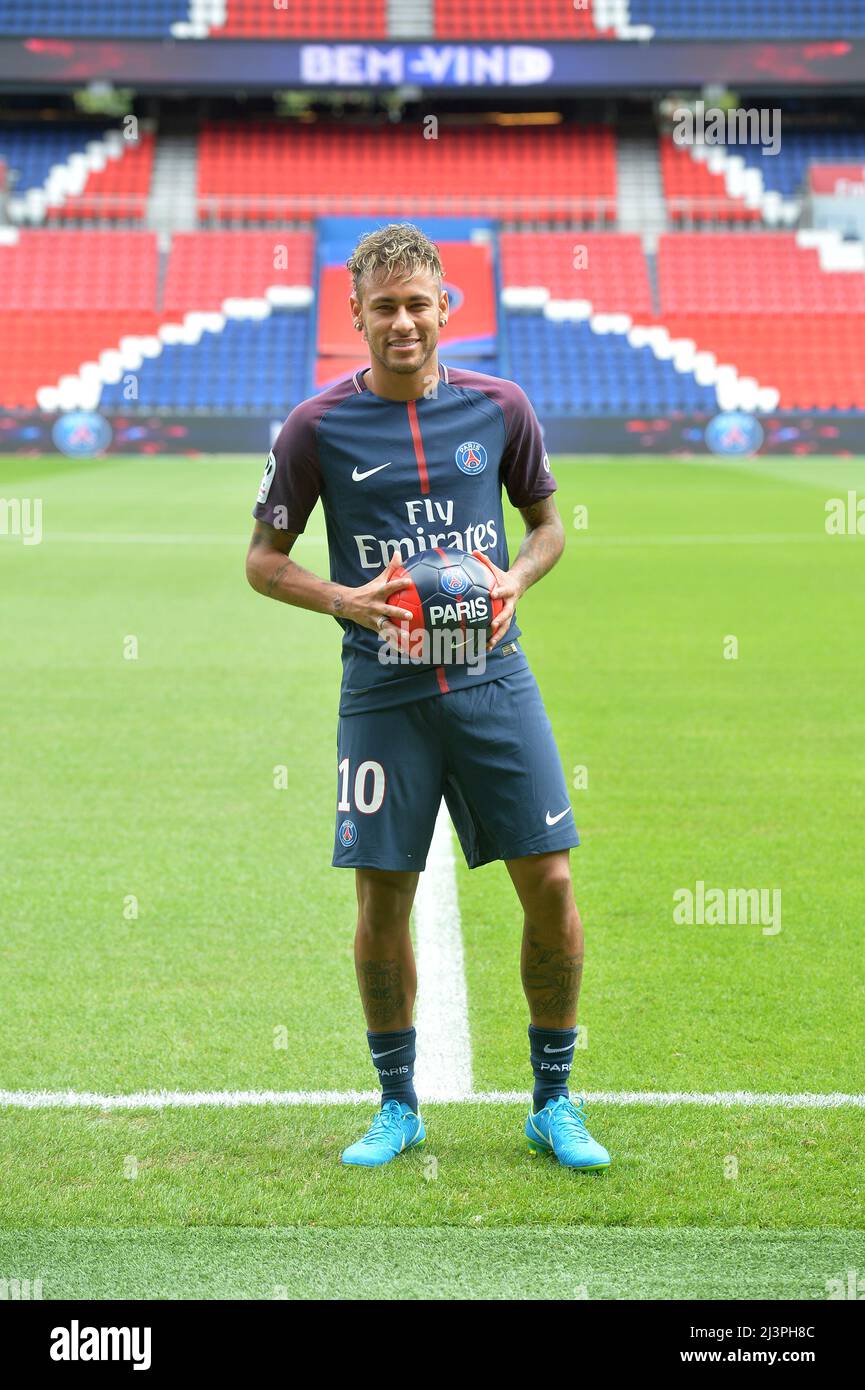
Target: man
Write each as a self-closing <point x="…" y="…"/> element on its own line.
<point x="410" y="455"/>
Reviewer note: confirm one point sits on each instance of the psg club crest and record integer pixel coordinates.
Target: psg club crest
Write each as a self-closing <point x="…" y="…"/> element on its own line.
<point x="454" y="581"/>
<point x="82" y="434"/>
<point x="735" y="434"/>
<point x="347" y="833"/>
<point x="471" y="457"/>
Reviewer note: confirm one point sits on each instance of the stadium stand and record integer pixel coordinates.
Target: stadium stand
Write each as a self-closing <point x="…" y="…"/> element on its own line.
<point x="82" y="270"/>
<point x="206" y="268"/>
<point x="93" y="18"/>
<point x="607" y="270"/>
<point x="697" y="194"/>
<point x="569" y="328"/>
<point x="298" y="19"/>
<point x="488" y="170"/>
<point x="239" y="365"/>
<point x="748" y="19"/>
<point x="81" y="309"/>
<point x="517" y="19"/>
<point x="66" y="296"/>
<point x="76" y="172"/>
<point x="788" y="310"/>
<point x="773" y="273"/>
<point x="442" y="19"/>
<point x="576" y="368"/>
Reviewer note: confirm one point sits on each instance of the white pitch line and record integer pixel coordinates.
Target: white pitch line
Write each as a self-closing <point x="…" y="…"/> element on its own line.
<point x="162" y="1100"/>
<point x="444" y="1059"/>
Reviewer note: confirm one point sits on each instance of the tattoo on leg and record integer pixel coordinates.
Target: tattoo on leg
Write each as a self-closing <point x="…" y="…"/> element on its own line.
<point x="551" y="978"/>
<point x="381" y="990"/>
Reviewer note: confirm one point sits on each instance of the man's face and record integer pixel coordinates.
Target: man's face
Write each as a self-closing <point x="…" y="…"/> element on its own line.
<point x="401" y="319"/>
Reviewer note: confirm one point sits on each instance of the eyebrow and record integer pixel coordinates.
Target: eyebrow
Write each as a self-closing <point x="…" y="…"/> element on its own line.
<point x="377" y="299"/>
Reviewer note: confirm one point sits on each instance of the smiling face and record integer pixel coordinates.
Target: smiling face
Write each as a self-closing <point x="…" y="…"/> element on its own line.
<point x="401" y="318"/>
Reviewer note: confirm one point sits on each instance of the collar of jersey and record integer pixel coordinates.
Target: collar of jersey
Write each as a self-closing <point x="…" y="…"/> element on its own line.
<point x="360" y="385"/>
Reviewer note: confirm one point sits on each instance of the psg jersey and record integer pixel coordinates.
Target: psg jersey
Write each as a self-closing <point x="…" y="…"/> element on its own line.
<point x="399" y="477"/>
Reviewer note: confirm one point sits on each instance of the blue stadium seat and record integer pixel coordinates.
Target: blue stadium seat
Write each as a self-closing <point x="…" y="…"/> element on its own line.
<point x="786" y="172"/>
<point x="32" y="150"/>
<point x="93" y="18"/>
<point x="251" y="365"/>
<point x="566" y="368"/>
<point x="750" y="19"/>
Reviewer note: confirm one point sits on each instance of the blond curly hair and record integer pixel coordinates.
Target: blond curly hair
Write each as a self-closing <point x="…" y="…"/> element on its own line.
<point x="398" y="246"/>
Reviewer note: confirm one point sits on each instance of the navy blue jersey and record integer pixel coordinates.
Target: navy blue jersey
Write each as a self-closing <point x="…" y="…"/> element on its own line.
<point x="398" y="477"/>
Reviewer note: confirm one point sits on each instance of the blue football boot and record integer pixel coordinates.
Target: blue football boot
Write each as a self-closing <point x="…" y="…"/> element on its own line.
<point x="560" y="1128"/>
<point x="396" y="1127"/>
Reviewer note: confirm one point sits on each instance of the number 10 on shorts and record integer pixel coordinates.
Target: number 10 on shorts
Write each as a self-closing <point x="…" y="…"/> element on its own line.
<point x="369" y="786"/>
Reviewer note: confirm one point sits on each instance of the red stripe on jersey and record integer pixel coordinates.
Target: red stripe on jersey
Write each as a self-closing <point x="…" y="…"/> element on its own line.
<point x="442" y="680"/>
<point x="418" y="446"/>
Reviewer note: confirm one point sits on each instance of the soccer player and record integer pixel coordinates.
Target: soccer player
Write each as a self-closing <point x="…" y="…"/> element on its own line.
<point x="408" y="455"/>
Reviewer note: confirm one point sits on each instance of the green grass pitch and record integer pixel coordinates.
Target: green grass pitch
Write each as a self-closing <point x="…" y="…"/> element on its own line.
<point x="170" y="918"/>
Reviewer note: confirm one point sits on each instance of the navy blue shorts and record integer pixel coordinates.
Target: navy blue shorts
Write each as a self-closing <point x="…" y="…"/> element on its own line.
<point x="488" y="750"/>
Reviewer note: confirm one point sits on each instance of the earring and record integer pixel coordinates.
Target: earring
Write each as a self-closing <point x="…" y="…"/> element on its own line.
<point x="358" y="325"/>
<point x="442" y="323"/>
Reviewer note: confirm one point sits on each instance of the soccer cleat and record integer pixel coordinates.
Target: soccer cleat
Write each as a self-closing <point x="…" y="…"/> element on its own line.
<point x="560" y="1128"/>
<point x="396" y="1127"/>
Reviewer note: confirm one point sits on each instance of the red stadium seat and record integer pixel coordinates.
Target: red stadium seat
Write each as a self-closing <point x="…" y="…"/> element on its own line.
<point x="304" y="19"/>
<point x="694" y="194"/>
<point x="118" y="192"/>
<point x="205" y="268"/>
<point x="514" y="19"/>
<point x="270" y="171"/>
<point x="606" y="268"/>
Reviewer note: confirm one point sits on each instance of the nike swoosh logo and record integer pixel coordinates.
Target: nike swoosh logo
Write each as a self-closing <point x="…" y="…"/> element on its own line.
<point x="376" y="1055"/>
<point x="551" y="820"/>
<point x="359" y="477"/>
<point x="547" y="1048"/>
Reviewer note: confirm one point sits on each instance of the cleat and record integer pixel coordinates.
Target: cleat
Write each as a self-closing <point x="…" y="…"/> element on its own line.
<point x="560" y="1128"/>
<point x="394" y="1128"/>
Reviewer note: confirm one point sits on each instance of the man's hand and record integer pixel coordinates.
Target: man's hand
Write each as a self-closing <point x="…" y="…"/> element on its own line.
<point x="507" y="587"/>
<point x="368" y="604"/>
<point x="271" y="571"/>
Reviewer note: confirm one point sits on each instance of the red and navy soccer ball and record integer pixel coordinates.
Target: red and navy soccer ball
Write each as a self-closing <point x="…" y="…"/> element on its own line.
<point x="448" y="591"/>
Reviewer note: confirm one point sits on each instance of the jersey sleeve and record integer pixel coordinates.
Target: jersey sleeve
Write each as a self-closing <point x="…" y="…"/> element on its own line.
<point x="525" y="463"/>
<point x="291" y="484"/>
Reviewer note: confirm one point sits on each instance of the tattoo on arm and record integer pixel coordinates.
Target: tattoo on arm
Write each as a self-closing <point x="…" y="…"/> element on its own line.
<point x="273" y="582"/>
<point x="543" y="542"/>
<point x="381" y="990"/>
<point x="551" y="979"/>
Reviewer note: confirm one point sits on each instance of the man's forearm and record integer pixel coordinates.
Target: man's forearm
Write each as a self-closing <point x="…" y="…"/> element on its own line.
<point x="278" y="576"/>
<point x="539" y="551"/>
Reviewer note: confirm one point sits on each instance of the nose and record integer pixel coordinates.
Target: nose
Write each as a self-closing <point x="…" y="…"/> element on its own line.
<point x="403" y="322"/>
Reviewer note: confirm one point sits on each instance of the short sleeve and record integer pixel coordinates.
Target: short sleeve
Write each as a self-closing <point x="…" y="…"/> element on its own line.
<point x="525" y="463"/>
<point x="291" y="484"/>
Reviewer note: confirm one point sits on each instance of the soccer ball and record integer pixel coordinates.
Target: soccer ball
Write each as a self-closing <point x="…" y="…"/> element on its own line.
<point x="447" y="591"/>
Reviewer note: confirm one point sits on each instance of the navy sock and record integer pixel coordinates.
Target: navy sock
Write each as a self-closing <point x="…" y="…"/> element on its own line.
<point x="393" y="1058"/>
<point x="552" y="1054"/>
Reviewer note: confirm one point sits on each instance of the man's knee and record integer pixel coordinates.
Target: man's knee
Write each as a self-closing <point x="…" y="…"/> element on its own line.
<point x="543" y="882"/>
<point x="384" y="900"/>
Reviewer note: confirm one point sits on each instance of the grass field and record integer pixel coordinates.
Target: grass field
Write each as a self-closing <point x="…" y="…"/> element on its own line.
<point x="170" y="918"/>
